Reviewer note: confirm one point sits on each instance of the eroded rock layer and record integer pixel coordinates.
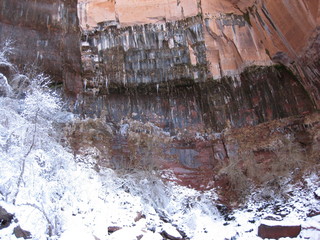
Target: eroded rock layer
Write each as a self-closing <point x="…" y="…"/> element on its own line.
<point x="151" y="41"/>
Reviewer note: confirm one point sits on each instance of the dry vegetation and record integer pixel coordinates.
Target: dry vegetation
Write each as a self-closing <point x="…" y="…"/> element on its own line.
<point x="270" y="154"/>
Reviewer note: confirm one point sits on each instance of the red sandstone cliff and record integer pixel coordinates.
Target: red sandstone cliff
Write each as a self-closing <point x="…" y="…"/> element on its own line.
<point x="184" y="68"/>
<point x="215" y="75"/>
<point x="236" y="34"/>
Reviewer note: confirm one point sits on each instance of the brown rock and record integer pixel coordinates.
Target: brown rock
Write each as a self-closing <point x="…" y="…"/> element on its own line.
<point x="313" y="213"/>
<point x="112" y="229"/>
<point x="236" y="34"/>
<point x="5" y="218"/>
<point x="20" y="233"/>
<point x="166" y="235"/>
<point x="139" y="216"/>
<point x="278" y="231"/>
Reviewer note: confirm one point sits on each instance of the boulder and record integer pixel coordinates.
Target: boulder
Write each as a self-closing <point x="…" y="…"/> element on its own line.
<point x="5" y="218"/>
<point x="112" y="229"/>
<point x="20" y="233"/>
<point x="20" y="85"/>
<point x="278" y="229"/>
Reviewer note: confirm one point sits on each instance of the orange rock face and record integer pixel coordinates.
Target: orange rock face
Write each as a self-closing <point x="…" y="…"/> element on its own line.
<point x="91" y="12"/>
<point x="154" y="11"/>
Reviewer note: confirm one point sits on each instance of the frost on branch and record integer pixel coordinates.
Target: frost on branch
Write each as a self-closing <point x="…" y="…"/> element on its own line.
<point x="31" y="158"/>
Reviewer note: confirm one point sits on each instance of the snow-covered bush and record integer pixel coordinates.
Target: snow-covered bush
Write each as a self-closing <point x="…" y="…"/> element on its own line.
<point x="30" y="154"/>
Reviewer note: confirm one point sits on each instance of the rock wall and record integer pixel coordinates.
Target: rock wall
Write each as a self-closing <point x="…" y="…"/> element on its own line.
<point x="45" y="33"/>
<point x="217" y="91"/>
<point x="176" y="81"/>
<point x="212" y="39"/>
<point x="259" y="94"/>
<point x="145" y="54"/>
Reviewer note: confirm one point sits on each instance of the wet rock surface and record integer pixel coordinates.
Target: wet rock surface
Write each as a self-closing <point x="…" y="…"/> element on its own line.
<point x="151" y="53"/>
<point x="196" y="130"/>
<point x="259" y="95"/>
<point x="203" y="39"/>
<point x="44" y="33"/>
<point x="177" y="89"/>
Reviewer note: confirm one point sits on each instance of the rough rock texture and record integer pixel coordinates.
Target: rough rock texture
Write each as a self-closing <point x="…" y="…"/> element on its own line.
<point x="46" y="33"/>
<point x="145" y="54"/>
<point x="185" y="82"/>
<point x="221" y="92"/>
<point x="5" y="218"/>
<point x="91" y="12"/>
<point x="20" y="233"/>
<point x="210" y="38"/>
<point x="276" y="232"/>
<point x="258" y="95"/>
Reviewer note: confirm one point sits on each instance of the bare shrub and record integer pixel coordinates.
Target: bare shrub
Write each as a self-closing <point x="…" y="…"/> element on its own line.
<point x="288" y="160"/>
<point x="239" y="183"/>
<point x="290" y="157"/>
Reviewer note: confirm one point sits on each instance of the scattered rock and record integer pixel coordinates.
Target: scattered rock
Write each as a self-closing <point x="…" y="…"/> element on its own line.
<point x="112" y="229"/>
<point x="5" y="218"/>
<point x="224" y="210"/>
<point x="170" y="232"/>
<point x="166" y="235"/>
<point x="139" y="237"/>
<point x="139" y="216"/>
<point x="275" y="230"/>
<point x="313" y="213"/>
<point x="20" y="233"/>
<point x="229" y="218"/>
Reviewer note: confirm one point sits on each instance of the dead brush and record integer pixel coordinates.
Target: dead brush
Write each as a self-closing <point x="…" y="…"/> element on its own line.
<point x="243" y="171"/>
